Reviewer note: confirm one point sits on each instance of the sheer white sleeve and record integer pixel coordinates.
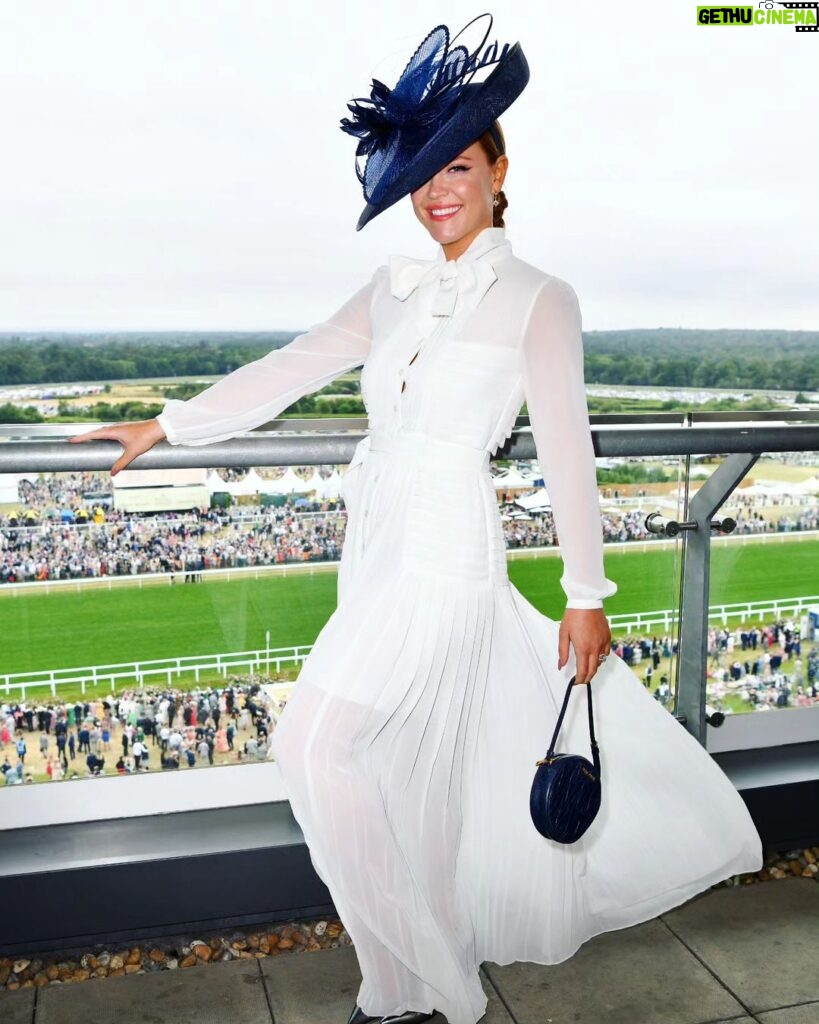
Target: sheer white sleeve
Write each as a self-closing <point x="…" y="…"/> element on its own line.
<point x="555" y="391"/>
<point x="262" y="389"/>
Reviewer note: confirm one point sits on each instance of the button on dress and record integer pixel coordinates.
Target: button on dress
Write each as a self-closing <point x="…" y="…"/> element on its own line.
<point x="409" y="742"/>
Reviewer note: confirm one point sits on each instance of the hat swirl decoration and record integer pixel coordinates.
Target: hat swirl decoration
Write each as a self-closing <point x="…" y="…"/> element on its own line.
<point x="435" y="110"/>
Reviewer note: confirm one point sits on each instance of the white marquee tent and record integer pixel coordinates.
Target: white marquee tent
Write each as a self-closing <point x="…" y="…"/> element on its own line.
<point x="290" y="483"/>
<point x="774" y="488"/>
<point x="513" y="480"/>
<point x="252" y="483"/>
<point x="537" y="501"/>
<point x="8" y="488"/>
<point x="215" y="483"/>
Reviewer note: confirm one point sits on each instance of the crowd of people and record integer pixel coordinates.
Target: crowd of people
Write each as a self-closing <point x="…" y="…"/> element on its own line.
<point x="765" y="665"/>
<point x="136" y="731"/>
<point x="127" y="544"/>
<point x="540" y="532"/>
<point x="166" y="728"/>
<point x="58" y="533"/>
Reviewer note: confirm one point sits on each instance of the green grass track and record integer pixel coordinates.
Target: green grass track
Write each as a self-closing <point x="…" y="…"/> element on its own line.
<point x="97" y="626"/>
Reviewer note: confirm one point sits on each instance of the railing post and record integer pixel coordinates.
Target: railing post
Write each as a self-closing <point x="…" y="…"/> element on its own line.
<point x="692" y="664"/>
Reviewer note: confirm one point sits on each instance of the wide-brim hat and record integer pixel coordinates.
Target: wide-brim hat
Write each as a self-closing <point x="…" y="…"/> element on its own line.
<point x="434" y="112"/>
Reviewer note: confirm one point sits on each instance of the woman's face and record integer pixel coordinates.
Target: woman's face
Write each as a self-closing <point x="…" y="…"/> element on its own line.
<point x="456" y="203"/>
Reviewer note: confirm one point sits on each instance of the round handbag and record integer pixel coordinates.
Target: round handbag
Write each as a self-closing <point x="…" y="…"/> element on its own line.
<point x="566" y="791"/>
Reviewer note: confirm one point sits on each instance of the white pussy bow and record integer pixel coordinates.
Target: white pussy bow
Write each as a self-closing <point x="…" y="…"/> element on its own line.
<point x="469" y="279"/>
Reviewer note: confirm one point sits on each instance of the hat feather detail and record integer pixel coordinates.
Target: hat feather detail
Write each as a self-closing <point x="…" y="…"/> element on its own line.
<point x="393" y="124"/>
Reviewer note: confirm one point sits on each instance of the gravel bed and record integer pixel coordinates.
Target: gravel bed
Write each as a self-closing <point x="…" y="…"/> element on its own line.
<point x="181" y="952"/>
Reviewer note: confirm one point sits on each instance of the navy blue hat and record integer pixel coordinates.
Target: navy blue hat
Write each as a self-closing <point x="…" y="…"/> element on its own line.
<point x="435" y="111"/>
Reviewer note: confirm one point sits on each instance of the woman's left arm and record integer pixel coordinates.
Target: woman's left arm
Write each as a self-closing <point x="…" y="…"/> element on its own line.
<point x="555" y="391"/>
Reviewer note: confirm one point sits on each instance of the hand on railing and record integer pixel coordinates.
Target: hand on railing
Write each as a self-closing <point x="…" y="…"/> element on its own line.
<point x="588" y="631"/>
<point x="135" y="438"/>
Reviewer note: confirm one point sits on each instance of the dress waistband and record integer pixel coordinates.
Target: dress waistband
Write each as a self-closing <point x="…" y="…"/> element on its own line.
<point x="426" y="448"/>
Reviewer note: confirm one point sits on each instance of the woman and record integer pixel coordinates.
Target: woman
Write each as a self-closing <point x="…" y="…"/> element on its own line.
<point x="221" y="740"/>
<point x="409" y="742"/>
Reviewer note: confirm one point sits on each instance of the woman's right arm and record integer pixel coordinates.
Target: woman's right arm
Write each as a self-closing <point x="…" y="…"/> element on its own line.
<point x="258" y="391"/>
<point x="555" y="390"/>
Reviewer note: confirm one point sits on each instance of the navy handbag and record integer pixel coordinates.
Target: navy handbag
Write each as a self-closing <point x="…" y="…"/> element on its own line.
<point x="566" y="792"/>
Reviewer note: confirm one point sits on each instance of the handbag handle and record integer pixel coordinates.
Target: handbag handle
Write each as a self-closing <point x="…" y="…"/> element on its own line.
<point x="594" y="747"/>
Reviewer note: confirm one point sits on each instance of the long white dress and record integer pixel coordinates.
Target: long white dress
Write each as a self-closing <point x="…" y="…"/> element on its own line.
<point x="409" y="742"/>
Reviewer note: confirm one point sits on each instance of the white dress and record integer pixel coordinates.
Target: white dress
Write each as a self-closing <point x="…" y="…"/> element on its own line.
<point x="409" y="742"/>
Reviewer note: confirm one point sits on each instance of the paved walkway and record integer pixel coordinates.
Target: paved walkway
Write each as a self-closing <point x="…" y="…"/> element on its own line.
<point x="746" y="954"/>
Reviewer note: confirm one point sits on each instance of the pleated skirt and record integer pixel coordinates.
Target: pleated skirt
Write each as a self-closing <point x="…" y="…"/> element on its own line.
<point x="408" y="747"/>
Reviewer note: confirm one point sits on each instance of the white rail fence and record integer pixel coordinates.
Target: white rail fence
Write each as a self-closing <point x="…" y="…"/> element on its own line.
<point x="164" y="670"/>
<point x="167" y="670"/>
<point x="721" y="614"/>
<point x="177" y="578"/>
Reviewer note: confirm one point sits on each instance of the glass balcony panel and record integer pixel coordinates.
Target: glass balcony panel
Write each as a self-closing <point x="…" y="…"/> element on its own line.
<point x="764" y="599"/>
<point x="644" y="613"/>
<point x="164" y="615"/>
<point x="238" y="593"/>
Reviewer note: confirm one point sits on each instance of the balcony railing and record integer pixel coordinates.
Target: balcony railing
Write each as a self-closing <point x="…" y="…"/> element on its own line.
<point x="740" y="443"/>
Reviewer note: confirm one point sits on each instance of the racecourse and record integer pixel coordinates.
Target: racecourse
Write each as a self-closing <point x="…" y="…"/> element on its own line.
<point x="96" y="626"/>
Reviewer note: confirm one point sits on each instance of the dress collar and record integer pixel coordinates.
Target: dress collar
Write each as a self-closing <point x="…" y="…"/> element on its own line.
<point x="488" y="240"/>
<point x="469" y="276"/>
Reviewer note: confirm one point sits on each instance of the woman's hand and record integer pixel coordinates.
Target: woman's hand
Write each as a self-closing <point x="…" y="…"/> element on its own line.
<point x="589" y="633"/>
<point x="135" y="438"/>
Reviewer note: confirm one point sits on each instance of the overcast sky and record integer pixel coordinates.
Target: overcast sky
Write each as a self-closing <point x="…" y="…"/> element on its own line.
<point x="178" y="163"/>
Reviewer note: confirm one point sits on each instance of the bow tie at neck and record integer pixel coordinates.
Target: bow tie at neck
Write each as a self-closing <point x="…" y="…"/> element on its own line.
<point x="447" y="279"/>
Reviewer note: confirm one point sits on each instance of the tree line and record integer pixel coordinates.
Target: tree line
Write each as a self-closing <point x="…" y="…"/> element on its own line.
<point x="317" y="404"/>
<point x="665" y="357"/>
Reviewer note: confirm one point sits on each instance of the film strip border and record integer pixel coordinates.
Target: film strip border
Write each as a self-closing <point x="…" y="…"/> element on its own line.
<point x="802" y="7"/>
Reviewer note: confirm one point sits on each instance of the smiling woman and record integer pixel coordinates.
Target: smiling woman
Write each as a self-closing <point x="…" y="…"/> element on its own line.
<point x="408" y="745"/>
<point x="462" y="196"/>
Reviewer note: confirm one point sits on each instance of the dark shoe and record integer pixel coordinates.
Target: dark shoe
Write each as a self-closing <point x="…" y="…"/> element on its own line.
<point x="358" y="1016"/>
<point x="409" y="1017"/>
